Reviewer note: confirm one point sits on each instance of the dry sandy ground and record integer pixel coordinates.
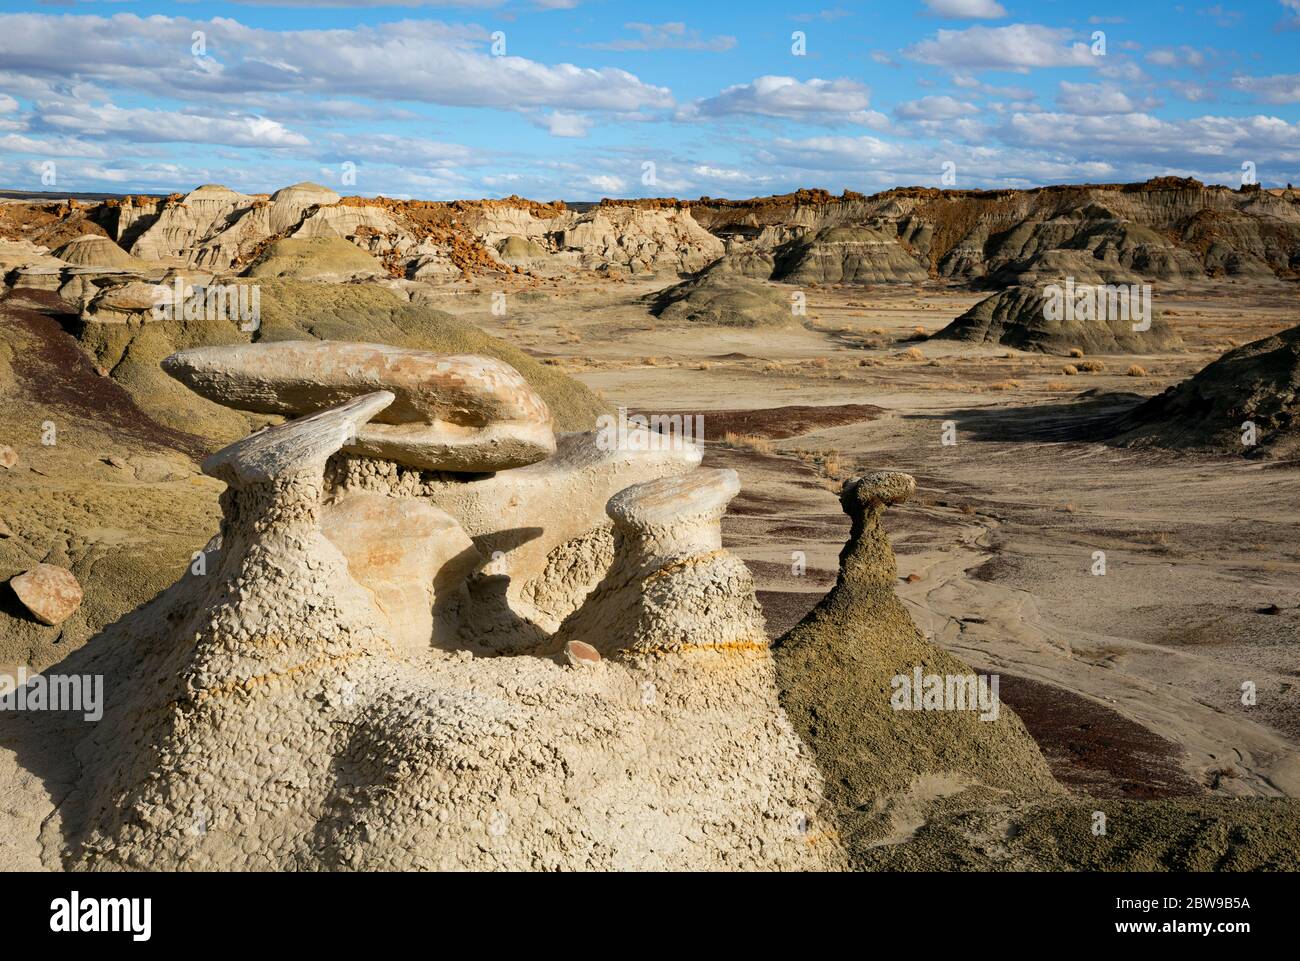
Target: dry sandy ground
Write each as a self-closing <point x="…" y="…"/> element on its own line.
<point x="1132" y="680"/>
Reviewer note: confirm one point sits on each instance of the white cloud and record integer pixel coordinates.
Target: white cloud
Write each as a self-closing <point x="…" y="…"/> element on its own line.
<point x="967" y="82"/>
<point x="612" y="186"/>
<point x="1182" y="56"/>
<point x="165" y="126"/>
<point x="561" y="123"/>
<point x="935" y="108"/>
<point x="411" y="60"/>
<point x="399" y="151"/>
<point x="1192" y="92"/>
<point x="1096" y="98"/>
<point x="967" y="9"/>
<point x="1140" y="137"/>
<point x="51" y="146"/>
<point x="1019" y="47"/>
<point x="1279" y="88"/>
<point x="790" y="98"/>
<point x="666" y="36"/>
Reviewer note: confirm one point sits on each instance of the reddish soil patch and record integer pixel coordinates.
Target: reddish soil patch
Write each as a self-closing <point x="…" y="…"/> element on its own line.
<point x="1095" y="750"/>
<point x="779" y="423"/>
<point x="784" y="609"/>
<point x="1090" y="748"/>
<point x="52" y="369"/>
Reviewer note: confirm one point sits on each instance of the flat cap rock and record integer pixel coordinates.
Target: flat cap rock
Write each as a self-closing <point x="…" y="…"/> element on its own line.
<point x="51" y="593"/>
<point x="699" y="497"/>
<point x="449" y="412"/>
<point x="300" y="445"/>
<point x="879" y="487"/>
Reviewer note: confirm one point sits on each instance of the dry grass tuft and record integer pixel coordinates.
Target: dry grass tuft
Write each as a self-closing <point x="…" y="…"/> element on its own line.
<point x="760" y="445"/>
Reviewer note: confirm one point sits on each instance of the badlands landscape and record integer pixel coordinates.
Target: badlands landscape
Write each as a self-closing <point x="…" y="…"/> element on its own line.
<point x="506" y="534"/>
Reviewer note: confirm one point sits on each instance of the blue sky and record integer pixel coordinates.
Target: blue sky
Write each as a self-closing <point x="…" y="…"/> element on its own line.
<point x="588" y="98"/>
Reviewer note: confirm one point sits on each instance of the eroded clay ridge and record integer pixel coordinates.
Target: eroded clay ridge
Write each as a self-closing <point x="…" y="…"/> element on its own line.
<point x="1166" y="229"/>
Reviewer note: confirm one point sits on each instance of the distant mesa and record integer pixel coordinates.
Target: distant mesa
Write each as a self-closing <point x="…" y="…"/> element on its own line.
<point x="1165" y="230"/>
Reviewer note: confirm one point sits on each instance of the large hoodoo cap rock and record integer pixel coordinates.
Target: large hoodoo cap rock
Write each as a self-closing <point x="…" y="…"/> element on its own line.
<point x="450" y="412"/>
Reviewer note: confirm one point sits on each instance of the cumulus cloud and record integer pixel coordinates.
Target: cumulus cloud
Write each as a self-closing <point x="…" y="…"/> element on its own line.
<point x="1019" y="47"/>
<point x="51" y="146"/>
<point x="935" y="108"/>
<point x="412" y="60"/>
<point x="165" y="126"/>
<point x="612" y="186"/>
<point x="1097" y="98"/>
<point x="397" y="150"/>
<point x="561" y="123"/>
<point x="1139" y="137"/>
<point x="1183" y="56"/>
<point x="789" y="98"/>
<point x="1279" y="88"/>
<point x="967" y="9"/>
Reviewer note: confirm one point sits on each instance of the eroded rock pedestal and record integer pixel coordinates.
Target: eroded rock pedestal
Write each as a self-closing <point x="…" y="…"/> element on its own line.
<point x="313" y="699"/>
<point x="884" y="766"/>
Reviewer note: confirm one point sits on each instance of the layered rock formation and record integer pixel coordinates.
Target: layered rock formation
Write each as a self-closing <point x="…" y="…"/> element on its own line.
<point x="1168" y="228"/>
<point x="641" y="241"/>
<point x="92" y="250"/>
<point x="220" y="229"/>
<point x="306" y="702"/>
<point x="847" y="255"/>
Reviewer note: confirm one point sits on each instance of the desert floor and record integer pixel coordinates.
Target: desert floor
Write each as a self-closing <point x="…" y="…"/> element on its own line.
<point x="1133" y="680"/>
